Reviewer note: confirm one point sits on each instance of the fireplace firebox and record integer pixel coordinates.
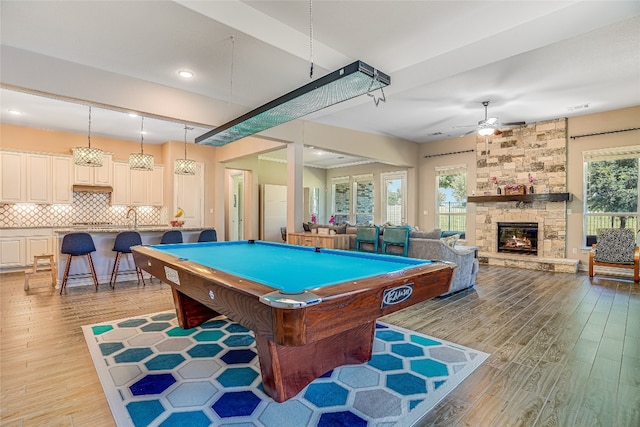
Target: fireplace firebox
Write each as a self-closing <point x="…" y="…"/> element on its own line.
<point x="518" y="237"/>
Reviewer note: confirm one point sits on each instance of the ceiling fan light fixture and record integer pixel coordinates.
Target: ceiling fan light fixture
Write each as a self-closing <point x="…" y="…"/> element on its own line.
<point x="486" y="129"/>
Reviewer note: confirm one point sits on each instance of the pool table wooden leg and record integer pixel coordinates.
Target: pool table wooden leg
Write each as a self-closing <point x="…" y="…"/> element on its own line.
<point x="190" y="312"/>
<point x="287" y="370"/>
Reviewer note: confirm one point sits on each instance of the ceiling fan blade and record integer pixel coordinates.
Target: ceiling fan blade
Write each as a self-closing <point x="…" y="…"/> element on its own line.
<point x="462" y="126"/>
<point x="491" y="120"/>
<point x="514" y="124"/>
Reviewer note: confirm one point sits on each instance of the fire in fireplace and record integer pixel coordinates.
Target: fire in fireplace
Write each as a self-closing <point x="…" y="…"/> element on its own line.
<point x="518" y="237"/>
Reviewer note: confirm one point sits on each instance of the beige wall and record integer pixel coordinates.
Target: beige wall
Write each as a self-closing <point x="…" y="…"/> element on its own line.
<point x="448" y="152"/>
<point x="625" y="118"/>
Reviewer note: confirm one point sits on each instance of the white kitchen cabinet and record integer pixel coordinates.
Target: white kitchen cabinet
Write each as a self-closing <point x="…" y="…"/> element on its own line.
<point x="18" y="246"/>
<point x="155" y="186"/>
<point x="12" y="252"/>
<point x="62" y="187"/>
<point x="147" y="187"/>
<point x="91" y="175"/>
<point x="121" y="194"/>
<point x="27" y="178"/>
<point x="38" y="178"/>
<point x="38" y="245"/>
<point x="13" y="188"/>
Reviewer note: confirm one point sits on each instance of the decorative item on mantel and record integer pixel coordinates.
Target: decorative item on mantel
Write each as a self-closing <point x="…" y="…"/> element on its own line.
<point x="531" y="184"/>
<point x="495" y="181"/>
<point x="176" y="222"/>
<point x="512" y="189"/>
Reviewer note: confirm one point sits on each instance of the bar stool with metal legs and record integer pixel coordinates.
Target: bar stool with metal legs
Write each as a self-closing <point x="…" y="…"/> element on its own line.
<point x="122" y="245"/>
<point x="78" y="244"/>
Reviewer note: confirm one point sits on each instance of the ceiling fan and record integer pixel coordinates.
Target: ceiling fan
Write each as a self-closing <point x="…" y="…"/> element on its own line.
<point x="490" y="125"/>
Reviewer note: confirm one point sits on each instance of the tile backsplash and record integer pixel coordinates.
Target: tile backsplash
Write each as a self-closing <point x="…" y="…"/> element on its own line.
<point x="86" y="208"/>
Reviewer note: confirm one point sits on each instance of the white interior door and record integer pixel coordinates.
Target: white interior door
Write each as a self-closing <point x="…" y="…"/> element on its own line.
<point x="236" y="206"/>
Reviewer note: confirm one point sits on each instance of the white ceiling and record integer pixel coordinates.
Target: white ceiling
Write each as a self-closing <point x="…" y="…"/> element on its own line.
<point x="533" y="60"/>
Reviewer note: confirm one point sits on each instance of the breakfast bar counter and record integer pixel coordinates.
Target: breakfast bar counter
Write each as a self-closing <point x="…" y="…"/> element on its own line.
<point x="104" y="256"/>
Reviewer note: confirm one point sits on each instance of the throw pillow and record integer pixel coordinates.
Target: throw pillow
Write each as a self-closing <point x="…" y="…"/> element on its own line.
<point x="451" y="240"/>
<point x="433" y="234"/>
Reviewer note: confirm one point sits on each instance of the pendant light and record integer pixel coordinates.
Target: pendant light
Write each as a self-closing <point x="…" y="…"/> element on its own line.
<point x="184" y="166"/>
<point x="87" y="156"/>
<point x="140" y="161"/>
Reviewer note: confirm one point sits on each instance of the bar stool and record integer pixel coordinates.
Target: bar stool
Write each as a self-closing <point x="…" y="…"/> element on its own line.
<point x="209" y="235"/>
<point x="172" y="236"/>
<point x="39" y="271"/>
<point x="78" y="244"/>
<point x="122" y="245"/>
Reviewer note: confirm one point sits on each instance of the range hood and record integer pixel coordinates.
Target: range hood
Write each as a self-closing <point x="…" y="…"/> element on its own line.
<point x="93" y="188"/>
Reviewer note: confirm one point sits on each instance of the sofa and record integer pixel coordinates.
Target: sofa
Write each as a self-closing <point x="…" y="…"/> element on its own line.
<point x="428" y="245"/>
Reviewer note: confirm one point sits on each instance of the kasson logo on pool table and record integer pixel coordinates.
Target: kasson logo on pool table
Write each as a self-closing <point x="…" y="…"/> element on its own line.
<point x="397" y="295"/>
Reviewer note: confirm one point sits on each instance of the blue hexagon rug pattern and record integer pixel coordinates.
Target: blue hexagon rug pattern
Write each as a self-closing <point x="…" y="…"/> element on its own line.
<point x="154" y="373"/>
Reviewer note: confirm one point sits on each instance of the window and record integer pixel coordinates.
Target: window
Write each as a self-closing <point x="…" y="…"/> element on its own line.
<point x="363" y="189"/>
<point x="451" y="182"/>
<point x="353" y="199"/>
<point x="611" y="190"/>
<point x="341" y="196"/>
<point x="394" y="197"/>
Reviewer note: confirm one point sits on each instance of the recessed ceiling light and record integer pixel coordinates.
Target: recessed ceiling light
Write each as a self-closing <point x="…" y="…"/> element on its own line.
<point x="14" y="112"/>
<point x="185" y="74"/>
<point x="133" y="115"/>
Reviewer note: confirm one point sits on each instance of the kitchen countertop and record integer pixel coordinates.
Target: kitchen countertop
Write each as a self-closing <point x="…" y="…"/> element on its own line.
<point x="121" y="228"/>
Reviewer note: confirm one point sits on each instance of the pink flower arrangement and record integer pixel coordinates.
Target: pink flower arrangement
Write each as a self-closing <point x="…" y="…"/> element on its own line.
<point x="530" y="179"/>
<point x="332" y="220"/>
<point x="314" y="219"/>
<point x="494" y="180"/>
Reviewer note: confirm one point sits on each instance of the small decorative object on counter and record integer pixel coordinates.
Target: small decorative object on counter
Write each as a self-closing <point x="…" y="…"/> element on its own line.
<point x="531" y="184"/>
<point x="176" y="222"/>
<point x="515" y="189"/>
<point x="332" y="220"/>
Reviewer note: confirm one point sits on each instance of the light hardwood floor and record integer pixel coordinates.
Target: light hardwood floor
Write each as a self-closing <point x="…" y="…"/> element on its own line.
<point x="565" y="350"/>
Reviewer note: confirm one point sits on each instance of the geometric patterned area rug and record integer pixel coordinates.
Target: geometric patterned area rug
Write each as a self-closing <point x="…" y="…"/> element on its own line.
<point x="155" y="373"/>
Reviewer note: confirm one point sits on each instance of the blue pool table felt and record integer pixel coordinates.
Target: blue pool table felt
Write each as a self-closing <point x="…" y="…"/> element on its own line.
<point x="287" y="268"/>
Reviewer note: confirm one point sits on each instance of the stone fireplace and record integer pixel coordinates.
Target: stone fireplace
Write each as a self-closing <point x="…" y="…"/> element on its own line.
<point x="534" y="155"/>
<point x="518" y="237"/>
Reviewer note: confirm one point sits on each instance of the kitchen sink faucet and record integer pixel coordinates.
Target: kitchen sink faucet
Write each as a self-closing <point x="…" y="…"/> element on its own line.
<point x="135" y="217"/>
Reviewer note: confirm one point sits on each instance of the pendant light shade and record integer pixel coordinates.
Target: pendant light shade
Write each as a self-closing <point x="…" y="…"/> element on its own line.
<point x="184" y="166"/>
<point x="88" y="156"/>
<point x="140" y="161"/>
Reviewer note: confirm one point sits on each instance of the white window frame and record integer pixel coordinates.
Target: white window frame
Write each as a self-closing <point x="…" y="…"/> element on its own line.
<point x="603" y="155"/>
<point x="443" y="171"/>
<point x="384" y="179"/>
<point x="341" y="180"/>
<point x="354" y="196"/>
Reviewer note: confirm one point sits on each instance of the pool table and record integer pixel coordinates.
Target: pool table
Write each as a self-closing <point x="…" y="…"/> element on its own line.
<point x="311" y="309"/>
